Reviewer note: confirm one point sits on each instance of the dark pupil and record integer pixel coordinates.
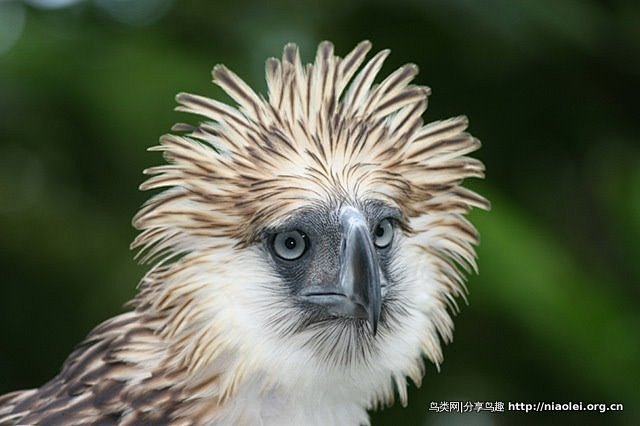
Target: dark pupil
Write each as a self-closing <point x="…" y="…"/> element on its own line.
<point x="379" y="231"/>
<point x="290" y="243"/>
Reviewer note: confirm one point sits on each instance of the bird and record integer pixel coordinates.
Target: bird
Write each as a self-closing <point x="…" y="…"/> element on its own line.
<point x="307" y="250"/>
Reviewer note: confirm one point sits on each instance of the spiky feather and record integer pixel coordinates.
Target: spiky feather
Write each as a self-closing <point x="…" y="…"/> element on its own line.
<point x="327" y="133"/>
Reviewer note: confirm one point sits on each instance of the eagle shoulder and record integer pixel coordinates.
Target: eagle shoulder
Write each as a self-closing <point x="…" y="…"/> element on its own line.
<point x="107" y="379"/>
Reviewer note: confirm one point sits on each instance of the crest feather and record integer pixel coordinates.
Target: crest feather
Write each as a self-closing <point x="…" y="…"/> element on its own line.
<point x="251" y="105"/>
<point x="350" y="64"/>
<point x="326" y="130"/>
<point x="359" y="88"/>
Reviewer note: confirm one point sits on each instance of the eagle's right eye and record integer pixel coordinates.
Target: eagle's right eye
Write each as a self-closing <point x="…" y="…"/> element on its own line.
<point x="290" y="245"/>
<point x="383" y="234"/>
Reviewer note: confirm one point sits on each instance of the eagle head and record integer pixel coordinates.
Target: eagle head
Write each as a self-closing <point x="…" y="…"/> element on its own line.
<point x="318" y="234"/>
<point x="307" y="249"/>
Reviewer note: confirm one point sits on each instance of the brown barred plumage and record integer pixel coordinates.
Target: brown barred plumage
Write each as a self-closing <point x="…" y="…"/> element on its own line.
<point x="213" y="337"/>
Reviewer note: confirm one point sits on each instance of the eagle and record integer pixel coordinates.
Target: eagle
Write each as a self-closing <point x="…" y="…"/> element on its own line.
<point x="308" y="248"/>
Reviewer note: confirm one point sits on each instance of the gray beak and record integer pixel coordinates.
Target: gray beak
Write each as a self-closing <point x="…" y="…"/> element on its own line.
<point x="359" y="272"/>
<point x="358" y="291"/>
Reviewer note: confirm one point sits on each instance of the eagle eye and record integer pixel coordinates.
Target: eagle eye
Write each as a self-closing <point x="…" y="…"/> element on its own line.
<point x="290" y="245"/>
<point x="383" y="234"/>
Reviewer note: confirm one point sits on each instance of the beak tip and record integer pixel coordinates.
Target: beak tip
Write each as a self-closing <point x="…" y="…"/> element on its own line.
<point x="374" y="318"/>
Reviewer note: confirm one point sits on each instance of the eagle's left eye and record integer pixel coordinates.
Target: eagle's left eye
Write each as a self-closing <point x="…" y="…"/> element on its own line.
<point x="290" y="245"/>
<point x="383" y="234"/>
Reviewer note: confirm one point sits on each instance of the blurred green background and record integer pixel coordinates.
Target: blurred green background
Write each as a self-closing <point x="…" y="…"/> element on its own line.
<point x="551" y="88"/>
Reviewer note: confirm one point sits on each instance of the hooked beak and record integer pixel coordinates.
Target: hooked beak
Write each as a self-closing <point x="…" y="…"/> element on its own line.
<point x="358" y="291"/>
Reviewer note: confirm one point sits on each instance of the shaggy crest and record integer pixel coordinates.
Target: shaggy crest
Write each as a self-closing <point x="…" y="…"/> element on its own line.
<point x="322" y="134"/>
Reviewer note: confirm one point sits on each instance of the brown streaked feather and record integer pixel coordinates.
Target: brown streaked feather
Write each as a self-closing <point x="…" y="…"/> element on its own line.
<point x="119" y="375"/>
<point x="239" y="91"/>
<point x="350" y="65"/>
<point x="359" y="88"/>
